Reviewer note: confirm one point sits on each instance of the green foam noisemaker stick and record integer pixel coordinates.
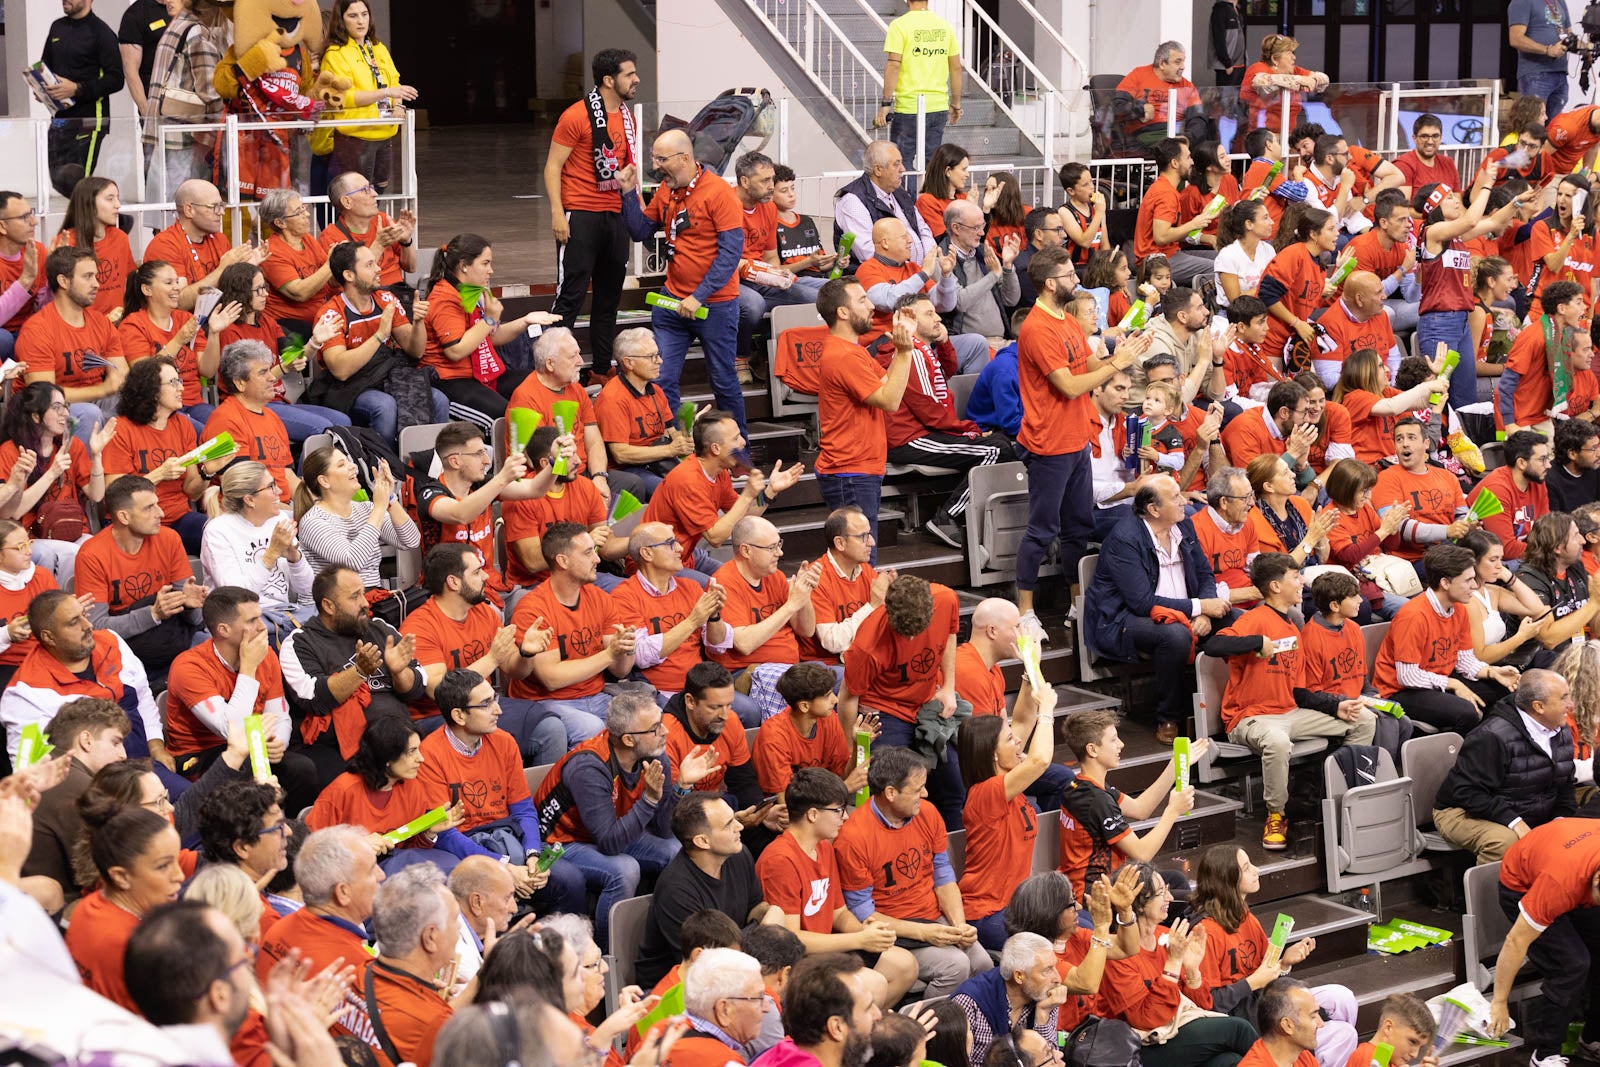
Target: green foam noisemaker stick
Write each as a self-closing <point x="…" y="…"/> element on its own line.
<point x="426" y="821"/>
<point x="671" y="1004"/>
<point x="217" y="448"/>
<point x="863" y="753"/>
<point x="552" y="851"/>
<point x="1381" y="1054"/>
<point x="668" y="303"/>
<point x="470" y="296"/>
<point x="626" y="505"/>
<point x="1452" y="360"/>
<point x="32" y="748"/>
<point x="1180" y="764"/>
<point x="255" y="732"/>
<point x="1213" y="208"/>
<point x="1138" y="314"/>
<point x="1149" y="432"/>
<point x="1347" y="268"/>
<point x="846" y="243"/>
<point x="522" y="422"/>
<point x="1028" y="651"/>
<point x="1260" y="192"/>
<point x="1280" y="936"/>
<point x="294" y="347"/>
<point x="686" y="416"/>
<point x="1387" y="707"/>
<point x="565" y="413"/>
<point x="1487" y="505"/>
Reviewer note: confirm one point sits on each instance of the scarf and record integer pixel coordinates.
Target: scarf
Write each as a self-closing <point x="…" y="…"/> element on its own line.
<point x="16" y="582"/>
<point x="607" y="160"/>
<point x="486" y="365"/>
<point x="1555" y="353"/>
<point x="1291" y="529"/>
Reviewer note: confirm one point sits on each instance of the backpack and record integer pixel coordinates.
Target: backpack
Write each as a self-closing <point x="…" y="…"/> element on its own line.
<point x="1098" y="1042"/>
<point x="366" y="450"/>
<point x="718" y="128"/>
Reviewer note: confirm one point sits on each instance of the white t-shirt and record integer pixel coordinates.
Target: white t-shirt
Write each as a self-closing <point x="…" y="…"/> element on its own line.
<point x="1232" y="260"/>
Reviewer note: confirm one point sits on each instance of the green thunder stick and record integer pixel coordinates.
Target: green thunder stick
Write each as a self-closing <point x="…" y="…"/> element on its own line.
<point x="863" y="752"/>
<point x="255" y="733"/>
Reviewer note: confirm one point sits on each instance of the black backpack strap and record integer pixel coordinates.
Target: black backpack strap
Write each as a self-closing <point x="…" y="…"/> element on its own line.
<point x="377" y="1019"/>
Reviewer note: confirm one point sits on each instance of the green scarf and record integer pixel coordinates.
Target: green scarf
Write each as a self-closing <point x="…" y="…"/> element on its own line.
<point x="1560" y="373"/>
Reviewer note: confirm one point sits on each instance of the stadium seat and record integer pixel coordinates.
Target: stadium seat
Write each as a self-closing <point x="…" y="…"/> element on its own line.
<point x="198" y="568"/>
<point x="536" y="775"/>
<point x="997" y="517"/>
<point x="1047" y="846"/>
<point x="1484" y="925"/>
<point x="1426" y="760"/>
<point x="314" y="442"/>
<point x="418" y="438"/>
<point x="1373" y="634"/>
<point x="500" y="440"/>
<point x="627" y="935"/>
<point x="789" y="397"/>
<point x="956" y="851"/>
<point x="961" y="390"/>
<point x="1494" y="455"/>
<point x="1369" y="832"/>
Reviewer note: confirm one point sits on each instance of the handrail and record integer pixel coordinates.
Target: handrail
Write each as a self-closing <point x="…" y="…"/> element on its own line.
<point x="1047" y="90"/>
<point x="804" y="52"/>
<point x="1040" y="22"/>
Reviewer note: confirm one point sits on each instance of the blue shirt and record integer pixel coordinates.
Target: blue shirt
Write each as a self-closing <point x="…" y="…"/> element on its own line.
<point x="1546" y="21"/>
<point x="996" y="400"/>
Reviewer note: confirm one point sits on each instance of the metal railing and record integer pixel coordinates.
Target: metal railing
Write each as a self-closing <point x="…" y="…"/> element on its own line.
<point x="832" y="63"/>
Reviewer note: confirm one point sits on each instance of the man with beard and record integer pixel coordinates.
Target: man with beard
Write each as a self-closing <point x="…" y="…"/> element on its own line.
<point x="610" y="801"/>
<point x="1425" y="164"/>
<point x="757" y="179"/>
<point x="1283" y="425"/>
<point x="1333" y="179"/>
<point x="343" y="666"/>
<point x="187" y="968"/>
<point x="1056" y="374"/>
<point x="242" y="824"/>
<point x="1438" y="509"/>
<point x="471" y="757"/>
<point x="829" y="1012"/>
<point x="1519" y="486"/>
<point x="1574" y="479"/>
<point x="571" y="499"/>
<point x="593" y="140"/>
<point x="702" y="717"/>
<point x="1160" y="225"/>
<point x="1525" y="394"/>
<point x="71" y="344"/>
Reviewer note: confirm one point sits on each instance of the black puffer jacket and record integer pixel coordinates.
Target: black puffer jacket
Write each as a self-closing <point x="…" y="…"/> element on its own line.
<point x="1502" y="775"/>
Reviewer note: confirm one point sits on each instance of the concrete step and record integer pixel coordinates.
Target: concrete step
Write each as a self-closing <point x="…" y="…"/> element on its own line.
<point x="757" y="400"/>
<point x="1340" y="931"/>
<point x="1426" y="972"/>
<point x="1210" y="823"/>
<point x="925" y="556"/>
<point x="801" y="530"/>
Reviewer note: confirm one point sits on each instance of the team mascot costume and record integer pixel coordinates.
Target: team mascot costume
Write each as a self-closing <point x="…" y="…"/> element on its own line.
<point x="267" y="76"/>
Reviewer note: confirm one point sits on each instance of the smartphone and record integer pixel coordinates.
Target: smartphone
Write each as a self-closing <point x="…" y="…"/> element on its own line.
<point x="767" y="801"/>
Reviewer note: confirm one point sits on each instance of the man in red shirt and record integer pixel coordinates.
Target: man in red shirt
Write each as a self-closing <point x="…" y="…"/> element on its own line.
<point x="1160" y="225"/>
<point x="415" y="921"/>
<point x="592" y="142"/>
<point x="71" y="344"/>
<point x="556" y="361"/>
<point x="1289" y="1020"/>
<point x="1524" y="397"/>
<point x="195" y="244"/>
<point x="21" y="268"/>
<point x="672" y="617"/>
<point x="1519" y="486"/>
<point x="848" y="587"/>
<point x="1438" y="509"/>
<point x="392" y="240"/>
<point x="757" y="178"/>
<point x="641" y="433"/>
<point x="1145" y="95"/>
<point x="703" y="226"/>
<point x="1571" y="137"/>
<point x="855" y="394"/>
<point x="1385" y="250"/>
<point x="1357" y="320"/>
<point x="1425" y="164"/>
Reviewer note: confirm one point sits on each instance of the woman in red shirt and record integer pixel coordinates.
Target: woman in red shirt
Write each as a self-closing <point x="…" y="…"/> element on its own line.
<point x="1264" y="84"/>
<point x="20" y="582"/>
<point x="1208" y="179"/>
<point x="153" y="325"/>
<point x="1492" y="282"/>
<point x="1004" y="210"/>
<point x="1044" y="904"/>
<point x="52" y="472"/>
<point x="944" y="184"/>
<point x="152" y="436"/>
<point x="1361" y="532"/>
<point x="92" y="223"/>
<point x="1001" y="822"/>
<point x="1295" y="283"/>
<point x="1374" y="404"/>
<point x="135" y="853"/>
<point x="1235" y="967"/>
<point x="296" y="265"/>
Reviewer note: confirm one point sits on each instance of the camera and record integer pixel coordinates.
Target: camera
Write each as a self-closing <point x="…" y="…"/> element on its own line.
<point x="1583" y="44"/>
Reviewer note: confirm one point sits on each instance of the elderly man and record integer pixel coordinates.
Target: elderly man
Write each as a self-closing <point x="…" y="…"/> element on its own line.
<point x="195" y="244"/>
<point x="1144" y="98"/>
<point x="757" y="179"/>
<point x="392" y="240"/>
<point x="487" y="899"/>
<point x="1359" y="320"/>
<point x="184" y="967"/>
<point x="641" y="433"/>
<point x="702" y="265"/>
<point x="414" y="921"/>
<point x="875" y="195"/>
<point x="989" y="289"/>
<point x="892" y="272"/>
<point x="673" y="619"/>
<point x="245" y="375"/>
<point x="1023" y="992"/>
<point x="1226" y="534"/>
<point x="556" y="360"/>
<point x="725" y="1001"/>
<point x="768" y="612"/>
<point x="1515" y="771"/>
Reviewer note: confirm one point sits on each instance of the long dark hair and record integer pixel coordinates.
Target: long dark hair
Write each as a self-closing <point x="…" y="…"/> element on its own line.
<point x="462" y="248"/>
<point x="338" y="35"/>
<point x="976" y="742"/>
<point x="1216" y="888"/>
<point x="235" y="284"/>
<point x="133" y="298"/>
<point x="385" y="740"/>
<point x="1235" y="219"/>
<point x="1100" y="271"/>
<point x="80" y="210"/>
<point x="935" y="183"/>
<point x="23" y="422"/>
<point x="1008" y="209"/>
<point x="141" y="390"/>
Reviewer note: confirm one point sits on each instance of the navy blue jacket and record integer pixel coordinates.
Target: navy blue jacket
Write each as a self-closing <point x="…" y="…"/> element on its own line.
<point x="1124" y="585"/>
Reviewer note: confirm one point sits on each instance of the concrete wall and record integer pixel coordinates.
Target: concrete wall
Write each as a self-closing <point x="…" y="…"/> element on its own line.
<point x="607" y="25"/>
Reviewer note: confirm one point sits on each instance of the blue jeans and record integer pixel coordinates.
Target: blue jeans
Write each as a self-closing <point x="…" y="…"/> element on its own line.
<point x="617" y="877"/>
<point x="86" y="417"/>
<point x="541" y="736"/>
<point x="401" y="858"/>
<point x="583" y="718"/>
<point x="307" y="420"/>
<point x="1549" y="86"/>
<point x="377" y="411"/>
<point x="991" y="930"/>
<point x="945" y="787"/>
<point x="903" y="132"/>
<point x="755" y="301"/>
<point x="1060" y="506"/>
<point x="648" y="480"/>
<point x="718" y="333"/>
<point x="191" y="527"/>
<point x="863" y="490"/>
<point x="1451" y="328"/>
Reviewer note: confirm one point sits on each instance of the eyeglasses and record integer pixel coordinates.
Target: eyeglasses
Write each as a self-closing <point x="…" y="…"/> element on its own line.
<point x="250" y="952"/>
<point x="363" y="189"/>
<point x="592" y="968"/>
<point x="20" y="546"/>
<point x="281" y="829"/>
<point x="259" y="290"/>
<point x="658" y="160"/>
<point x="490" y="703"/>
<point x="1239" y="496"/>
<point x="297" y="214"/>
<point x="776" y="546"/>
<point x="658" y="728"/>
<point x="160" y="804"/>
<point x="59" y="408"/>
<point x="26" y="216"/>
<point x="753" y="1000"/>
<point x="648" y="357"/>
<point x="864" y="536"/>
<point x="215" y="209"/>
<point x="171" y="381"/>
<point x="270" y="487"/>
<point x="673" y="541"/>
<point x="837" y="809"/>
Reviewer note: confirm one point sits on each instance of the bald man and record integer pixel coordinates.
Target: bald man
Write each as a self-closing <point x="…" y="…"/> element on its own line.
<point x="488" y="898"/>
<point x="875" y="195"/>
<point x="195" y="245"/>
<point x="989" y="289"/>
<point x="892" y="273"/>
<point x="703" y="224"/>
<point x="1357" y="321"/>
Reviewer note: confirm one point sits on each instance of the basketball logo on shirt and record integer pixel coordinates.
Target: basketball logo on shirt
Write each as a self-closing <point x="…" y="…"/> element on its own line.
<point x="847" y="609"/>
<point x="1444" y="650"/>
<point x="470" y="652"/>
<point x="819" y="896"/>
<point x="1426" y="499"/>
<point x="132" y="587"/>
<point x="475" y="793"/>
<point x="909" y="863"/>
<point x="809" y="354"/>
<point x="577" y="642"/>
<point x="1348" y="664"/>
<point x="923" y="662"/>
<point x="1229" y="559"/>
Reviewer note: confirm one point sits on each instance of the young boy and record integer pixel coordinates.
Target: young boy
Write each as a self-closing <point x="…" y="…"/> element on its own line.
<point x="1249" y="370"/>
<point x="808" y="734"/>
<point x="799" y="244"/>
<point x="1406" y="1026"/>
<point x="1334" y="653"/>
<point x="1095" y="836"/>
<point x="1163" y="410"/>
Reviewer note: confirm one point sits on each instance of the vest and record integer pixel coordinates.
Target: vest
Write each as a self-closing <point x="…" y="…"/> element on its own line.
<point x="866" y="192"/>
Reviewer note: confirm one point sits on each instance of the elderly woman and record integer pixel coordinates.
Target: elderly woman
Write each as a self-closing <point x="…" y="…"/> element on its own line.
<point x="245" y="377"/>
<point x="583" y="986"/>
<point x="1266" y="82"/>
<point x="296" y="266"/>
<point x="249" y="542"/>
<point x="1284" y="520"/>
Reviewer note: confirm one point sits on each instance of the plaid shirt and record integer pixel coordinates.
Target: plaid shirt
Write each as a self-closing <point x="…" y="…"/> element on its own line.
<point x="201" y="54"/>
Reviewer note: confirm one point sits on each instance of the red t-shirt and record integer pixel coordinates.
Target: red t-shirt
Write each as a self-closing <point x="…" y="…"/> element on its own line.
<point x="321" y="941"/>
<point x="261" y="437"/>
<point x="896" y="863"/>
<point x="1258" y="1056"/>
<point x="440" y="639"/>
<point x="1248" y="436"/>
<point x="796" y="884"/>
<point x="748" y="605"/>
<point x="1418" y="634"/>
<point x="982" y="687"/>
<point x="1259" y="686"/>
<point x="579" y="192"/>
<point x="74" y="356"/>
<point x="120" y="581"/>
<point x="477" y="531"/>
<point x="1530" y="404"/>
<point x="580" y="631"/>
<point x="636" y="606"/>
<point x="691" y="502"/>
<point x="1334" y="662"/>
<point x="1522" y="506"/>
<point x="853" y="434"/>
<point x="114" y="260"/>
<point x="1434" y="495"/>
<point x="708" y="206"/>
<point x="447" y="322"/>
<point x="142" y="338"/>
<point x="1567" y="137"/>
<point x="389" y="269"/>
<point x="536" y="396"/>
<point x="348" y="800"/>
<point x="491" y="779"/>
<point x="192" y="261"/>
<point x="1352" y="336"/>
<point x="575" y="501"/>
<point x="199" y="679"/>
<point x="779" y="750"/>
<point x="11" y="273"/>
<point x="1053" y="424"/>
<point x="630" y="418"/>
<point x="97" y="939"/>
<point x="285" y="264"/>
<point x="1369" y="254"/>
<point x="1301" y="278"/>
<point x="760" y="230"/>
<point x="14" y="603"/>
<point x="999" y="846"/>
<point x="731" y="746"/>
<point x="1417" y="173"/>
<point x="68" y="487"/>
<point x="835" y="599"/>
<point x="1553" y="866"/>
<point x="1371" y="435"/>
<point x="1229" y="553"/>
<point x="1230" y="957"/>
<point x="1160" y="202"/>
<point x="897" y="675"/>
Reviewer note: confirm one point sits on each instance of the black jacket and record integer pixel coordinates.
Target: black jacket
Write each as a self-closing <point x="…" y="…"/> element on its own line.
<point x="1227" y="36"/>
<point x="85" y="51"/>
<point x="1502" y="775"/>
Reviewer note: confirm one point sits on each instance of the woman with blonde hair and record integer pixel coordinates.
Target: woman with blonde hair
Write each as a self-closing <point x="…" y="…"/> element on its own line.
<point x="250" y="542"/>
<point x="1579" y="664"/>
<point x="1266" y="82"/>
<point x="1284" y="519"/>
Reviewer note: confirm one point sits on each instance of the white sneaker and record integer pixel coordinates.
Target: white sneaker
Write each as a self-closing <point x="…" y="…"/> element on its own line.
<point x="1555" y="1059"/>
<point x="1031" y="626"/>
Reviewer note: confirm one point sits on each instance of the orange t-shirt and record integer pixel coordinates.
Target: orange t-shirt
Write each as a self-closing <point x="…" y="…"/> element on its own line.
<point x="1530" y="404"/>
<point x="1524" y="254"/>
<point x="1568" y="136"/>
<point x="796" y="884"/>
<point x="1160" y="202"/>
<point x="1192" y="201"/>
<point x="579" y="192"/>
<point x="691" y="502"/>
<point x="1255" y="175"/>
<point x="1229" y="553"/>
<point x="389" y="269"/>
<point x="142" y="338"/>
<point x="440" y="639"/>
<point x="11" y="273"/>
<point x="348" y="800"/>
<point x="412" y="1011"/>
<point x="629" y="418"/>
<point x="14" y="603"/>
<point x="835" y="599"/>
<point x="1552" y="866"/>
<point x="261" y="437"/>
<point x="1335" y="431"/>
<point x="982" y="687"/>
<point x="760" y="229"/>
<point x="1259" y="1056"/>
<point x="1230" y="957"/>
<point x="1248" y="436"/>
<point x="122" y="582"/>
<point x="1371" y="435"/>
<point x="198" y="678"/>
<point x="1417" y="634"/>
<point x="895" y="862"/>
<point x="876" y="272"/>
<point x="580" y="631"/>
<point x="707" y="206"/>
<point x="98" y="938"/>
<point x="192" y="261"/>
<point x="1434" y="495"/>
<point x="477" y="531"/>
<point x="1368" y="250"/>
<point x="74" y="356"/>
<point x="140" y="450"/>
<point x="322" y="940"/>
<point x="68" y="487"/>
<point x="1301" y="279"/>
<point x="732" y="747"/>
<point x="536" y="396"/>
<point x="575" y="501"/>
<point x="491" y="779"/>
<point x="1334" y="662"/>
<point x="931" y="208"/>
<point x="897" y="675"/>
<point x="779" y="750"/>
<point x="114" y="262"/>
<point x="1053" y="424"/>
<point x="1259" y="686"/>
<point x="854" y="439"/>
<point x="1352" y="336"/>
<point x="1266" y="537"/>
<point x="1000" y="836"/>
<point x="447" y="322"/>
<point x="1351" y="529"/>
<point x="636" y="606"/>
<point x="1522" y="507"/>
<point x="748" y="605"/>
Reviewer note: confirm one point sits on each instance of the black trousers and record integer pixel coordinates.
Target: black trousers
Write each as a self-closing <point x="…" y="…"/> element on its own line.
<point x="596" y="254"/>
<point x="75" y="143"/>
<point x="1562" y="955"/>
<point x="1444" y="711"/>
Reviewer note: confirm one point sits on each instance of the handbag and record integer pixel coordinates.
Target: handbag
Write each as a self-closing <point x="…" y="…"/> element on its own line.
<point x="178" y="103"/>
<point x="60" y="520"/>
<point x="1098" y="1042"/>
<point x="1392" y="574"/>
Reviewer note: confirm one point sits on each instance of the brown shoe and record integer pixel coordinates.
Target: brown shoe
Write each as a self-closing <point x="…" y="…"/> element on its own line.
<point x="1166" y="732"/>
<point x="1275" y="837"/>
